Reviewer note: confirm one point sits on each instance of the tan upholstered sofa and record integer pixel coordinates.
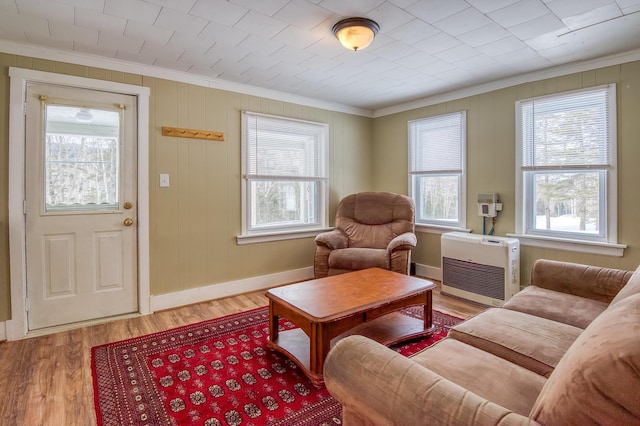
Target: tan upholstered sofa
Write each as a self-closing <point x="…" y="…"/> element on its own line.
<point x="564" y="351"/>
<point x="373" y="229"/>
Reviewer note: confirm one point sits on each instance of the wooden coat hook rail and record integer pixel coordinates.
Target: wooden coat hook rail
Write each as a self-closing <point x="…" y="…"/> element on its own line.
<point x="191" y="133"/>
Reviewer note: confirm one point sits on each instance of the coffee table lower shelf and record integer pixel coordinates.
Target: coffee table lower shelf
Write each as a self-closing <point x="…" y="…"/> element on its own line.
<point x="388" y="330"/>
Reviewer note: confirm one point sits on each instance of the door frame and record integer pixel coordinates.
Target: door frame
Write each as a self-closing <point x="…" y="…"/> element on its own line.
<point x="17" y="327"/>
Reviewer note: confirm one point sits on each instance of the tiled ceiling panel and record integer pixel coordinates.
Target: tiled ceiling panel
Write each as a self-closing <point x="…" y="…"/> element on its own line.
<point x="423" y="48"/>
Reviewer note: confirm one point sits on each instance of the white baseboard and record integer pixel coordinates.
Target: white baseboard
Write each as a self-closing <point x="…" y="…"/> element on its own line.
<point x="231" y="288"/>
<point x="431" y="272"/>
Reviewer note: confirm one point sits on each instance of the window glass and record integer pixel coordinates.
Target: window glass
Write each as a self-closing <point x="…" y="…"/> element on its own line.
<point x="81" y="159"/>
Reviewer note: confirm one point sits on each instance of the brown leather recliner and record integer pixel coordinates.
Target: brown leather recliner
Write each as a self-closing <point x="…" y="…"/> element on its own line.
<point x="373" y="229"/>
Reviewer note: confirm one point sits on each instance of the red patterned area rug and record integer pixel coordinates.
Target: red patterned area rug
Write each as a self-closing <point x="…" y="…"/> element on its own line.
<point x="217" y="372"/>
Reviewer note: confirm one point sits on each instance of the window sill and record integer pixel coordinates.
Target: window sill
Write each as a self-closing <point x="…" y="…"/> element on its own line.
<point x="279" y="236"/>
<point x="438" y="229"/>
<point x="592" y="247"/>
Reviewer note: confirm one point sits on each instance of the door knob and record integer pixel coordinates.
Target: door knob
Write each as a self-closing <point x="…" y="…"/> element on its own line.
<point x="128" y="222"/>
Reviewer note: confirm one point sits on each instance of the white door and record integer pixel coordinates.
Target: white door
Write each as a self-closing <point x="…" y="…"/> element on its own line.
<point x="80" y="206"/>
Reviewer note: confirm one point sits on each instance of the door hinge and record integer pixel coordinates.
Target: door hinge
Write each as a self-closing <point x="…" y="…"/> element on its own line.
<point x="26" y="304"/>
<point x="24" y="108"/>
<point x="24" y="206"/>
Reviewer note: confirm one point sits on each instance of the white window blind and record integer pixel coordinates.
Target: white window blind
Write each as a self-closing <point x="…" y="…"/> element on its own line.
<point x="280" y="147"/>
<point x="436" y="144"/>
<point x="567" y="131"/>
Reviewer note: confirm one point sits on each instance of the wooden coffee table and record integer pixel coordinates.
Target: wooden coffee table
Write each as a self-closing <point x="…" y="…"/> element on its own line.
<point x="327" y="309"/>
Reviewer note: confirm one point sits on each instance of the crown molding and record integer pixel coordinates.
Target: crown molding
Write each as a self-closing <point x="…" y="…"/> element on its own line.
<point x="557" y="71"/>
<point x="114" y="64"/>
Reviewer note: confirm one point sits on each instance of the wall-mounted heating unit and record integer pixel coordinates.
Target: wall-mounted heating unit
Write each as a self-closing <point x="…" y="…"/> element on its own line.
<point x="481" y="268"/>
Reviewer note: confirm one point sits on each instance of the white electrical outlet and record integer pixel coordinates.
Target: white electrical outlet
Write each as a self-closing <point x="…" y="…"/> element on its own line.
<point x="164" y="180"/>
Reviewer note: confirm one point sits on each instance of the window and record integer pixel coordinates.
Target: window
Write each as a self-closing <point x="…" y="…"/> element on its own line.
<point x="81" y="161"/>
<point x="567" y="159"/>
<point x="284" y="174"/>
<point x="437" y="169"/>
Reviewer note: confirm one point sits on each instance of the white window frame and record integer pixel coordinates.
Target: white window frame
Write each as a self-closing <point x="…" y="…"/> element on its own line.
<point x="436" y="225"/>
<point x="605" y="242"/>
<point x="252" y="234"/>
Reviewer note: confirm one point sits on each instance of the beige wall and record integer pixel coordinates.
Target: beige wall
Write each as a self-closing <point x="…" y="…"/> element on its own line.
<point x="194" y="222"/>
<point x="491" y="159"/>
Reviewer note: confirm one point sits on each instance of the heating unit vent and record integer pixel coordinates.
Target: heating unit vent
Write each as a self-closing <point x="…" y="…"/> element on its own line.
<point x="485" y="280"/>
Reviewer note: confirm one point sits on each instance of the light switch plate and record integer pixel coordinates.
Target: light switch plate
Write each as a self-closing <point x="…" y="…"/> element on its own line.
<point x="164" y="180"/>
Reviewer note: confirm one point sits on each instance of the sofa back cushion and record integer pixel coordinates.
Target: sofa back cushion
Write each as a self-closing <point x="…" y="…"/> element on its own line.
<point x="632" y="287"/>
<point x="597" y="380"/>
<point x="593" y="282"/>
<point x="373" y="219"/>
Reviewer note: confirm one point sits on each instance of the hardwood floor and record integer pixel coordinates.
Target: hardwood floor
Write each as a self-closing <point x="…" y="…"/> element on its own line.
<point x="46" y="380"/>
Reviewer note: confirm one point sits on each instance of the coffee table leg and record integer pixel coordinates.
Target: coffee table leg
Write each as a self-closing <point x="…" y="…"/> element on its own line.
<point x="428" y="313"/>
<point x="320" y="342"/>
<point x="273" y="324"/>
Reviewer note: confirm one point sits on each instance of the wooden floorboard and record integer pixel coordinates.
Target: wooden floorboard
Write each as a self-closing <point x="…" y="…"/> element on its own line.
<point x="46" y="380"/>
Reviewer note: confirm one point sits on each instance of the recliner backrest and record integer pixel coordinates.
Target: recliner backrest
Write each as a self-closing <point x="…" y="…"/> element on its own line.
<point x="373" y="219"/>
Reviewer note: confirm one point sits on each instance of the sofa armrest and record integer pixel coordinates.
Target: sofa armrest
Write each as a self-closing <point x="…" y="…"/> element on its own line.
<point x="333" y="240"/>
<point x="405" y="241"/>
<point x="376" y="385"/>
<point x="593" y="282"/>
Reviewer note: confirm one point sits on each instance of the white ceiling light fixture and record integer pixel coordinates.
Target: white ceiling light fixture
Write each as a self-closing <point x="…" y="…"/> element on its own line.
<point x="84" y="116"/>
<point x="356" y="33"/>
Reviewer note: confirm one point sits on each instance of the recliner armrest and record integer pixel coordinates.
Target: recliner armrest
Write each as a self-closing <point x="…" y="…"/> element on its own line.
<point x="405" y="241"/>
<point x="335" y="239"/>
<point x="377" y="385"/>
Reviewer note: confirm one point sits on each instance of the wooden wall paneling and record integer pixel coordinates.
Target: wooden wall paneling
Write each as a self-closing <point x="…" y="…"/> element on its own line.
<point x="164" y="152"/>
<point x="628" y="154"/>
<point x="504" y="135"/>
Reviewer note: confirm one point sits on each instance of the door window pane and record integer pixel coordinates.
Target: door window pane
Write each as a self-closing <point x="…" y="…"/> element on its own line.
<point x="81" y="159"/>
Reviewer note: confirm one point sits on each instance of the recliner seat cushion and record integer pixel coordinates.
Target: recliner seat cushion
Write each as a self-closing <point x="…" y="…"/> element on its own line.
<point x="354" y="259"/>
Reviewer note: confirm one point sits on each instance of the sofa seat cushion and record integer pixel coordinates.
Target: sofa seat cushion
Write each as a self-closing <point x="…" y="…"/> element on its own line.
<point x="377" y="386"/>
<point x="534" y="343"/>
<point x="556" y="306"/>
<point x="354" y="259"/>
<point x="597" y="381"/>
<point x="491" y="377"/>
